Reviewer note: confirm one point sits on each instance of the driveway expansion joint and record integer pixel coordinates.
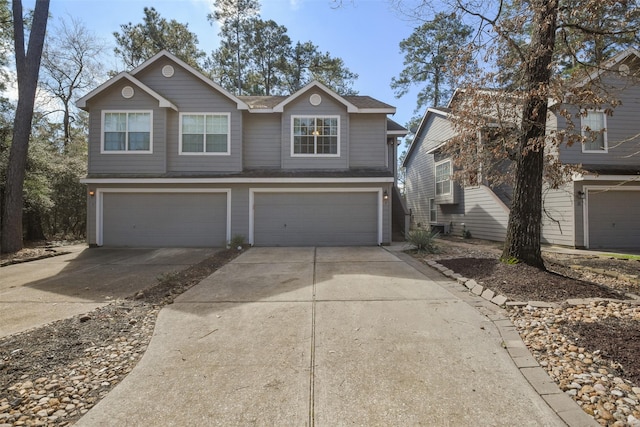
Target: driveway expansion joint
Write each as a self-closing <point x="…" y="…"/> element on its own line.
<point x="565" y="407"/>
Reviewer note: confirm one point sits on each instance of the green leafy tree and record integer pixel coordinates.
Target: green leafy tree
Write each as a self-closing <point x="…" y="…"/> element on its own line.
<point x="139" y="42"/>
<point x="27" y="70"/>
<point x="428" y="54"/>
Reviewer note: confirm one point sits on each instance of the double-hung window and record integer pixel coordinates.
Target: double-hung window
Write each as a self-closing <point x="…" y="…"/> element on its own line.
<point x="315" y="136"/>
<point x="433" y="211"/>
<point x="443" y="178"/>
<point x="126" y="131"/>
<point x="594" y="129"/>
<point x="204" y="133"/>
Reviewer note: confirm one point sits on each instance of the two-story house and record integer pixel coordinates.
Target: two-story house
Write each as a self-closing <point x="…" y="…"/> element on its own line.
<point x="176" y="160"/>
<point x="597" y="209"/>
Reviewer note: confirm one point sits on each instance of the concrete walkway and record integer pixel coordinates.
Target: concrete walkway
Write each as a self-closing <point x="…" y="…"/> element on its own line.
<point x="35" y="293"/>
<point x="326" y="337"/>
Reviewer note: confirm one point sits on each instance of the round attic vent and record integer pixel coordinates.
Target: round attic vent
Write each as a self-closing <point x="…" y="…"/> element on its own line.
<point x="167" y="71"/>
<point x="127" y="92"/>
<point x="624" y="69"/>
<point x="315" y="99"/>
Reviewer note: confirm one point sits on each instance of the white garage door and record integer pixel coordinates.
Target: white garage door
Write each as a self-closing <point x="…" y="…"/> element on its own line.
<point x="164" y="219"/>
<point x="316" y="219"/>
<point x="614" y="219"/>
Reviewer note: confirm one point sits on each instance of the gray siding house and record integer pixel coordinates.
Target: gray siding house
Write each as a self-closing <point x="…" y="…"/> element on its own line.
<point x="176" y="160"/>
<point x="597" y="209"/>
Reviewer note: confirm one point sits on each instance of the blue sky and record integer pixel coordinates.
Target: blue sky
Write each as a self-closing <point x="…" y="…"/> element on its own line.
<point x="364" y="33"/>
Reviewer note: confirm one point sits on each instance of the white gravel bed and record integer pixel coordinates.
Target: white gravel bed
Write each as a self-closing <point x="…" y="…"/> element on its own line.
<point x="65" y="395"/>
<point x="590" y="379"/>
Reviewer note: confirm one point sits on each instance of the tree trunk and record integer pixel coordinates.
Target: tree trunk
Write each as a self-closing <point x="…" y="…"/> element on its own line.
<point x="525" y="219"/>
<point x="27" y="67"/>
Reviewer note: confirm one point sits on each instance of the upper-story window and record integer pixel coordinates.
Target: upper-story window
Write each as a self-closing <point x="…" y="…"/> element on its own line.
<point x="315" y="136"/>
<point x="126" y="131"/>
<point x="594" y="129"/>
<point x="204" y="133"/>
<point x="443" y="178"/>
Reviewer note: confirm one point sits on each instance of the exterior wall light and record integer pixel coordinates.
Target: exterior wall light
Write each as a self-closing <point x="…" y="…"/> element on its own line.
<point x="92" y="193"/>
<point x="385" y="196"/>
<point x="581" y="195"/>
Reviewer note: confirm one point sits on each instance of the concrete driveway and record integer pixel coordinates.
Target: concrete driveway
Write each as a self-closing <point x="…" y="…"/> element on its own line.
<point x="38" y="292"/>
<point x="326" y="337"/>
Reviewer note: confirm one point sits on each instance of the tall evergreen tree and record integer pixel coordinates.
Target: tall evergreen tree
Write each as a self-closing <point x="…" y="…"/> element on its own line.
<point x="236" y="19"/>
<point x="268" y="47"/>
<point x="428" y="53"/>
<point x="139" y="42"/>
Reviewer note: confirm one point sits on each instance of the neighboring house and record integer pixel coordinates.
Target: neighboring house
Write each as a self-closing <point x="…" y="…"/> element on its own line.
<point x="598" y="209"/>
<point x="176" y="160"/>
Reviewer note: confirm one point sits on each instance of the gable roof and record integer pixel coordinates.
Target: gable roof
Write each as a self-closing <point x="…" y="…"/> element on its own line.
<point x="257" y="104"/>
<point x="354" y="104"/>
<point x="443" y="112"/>
<point x="162" y="101"/>
<point x="82" y="102"/>
<point x="608" y="66"/>
<point x="164" y="53"/>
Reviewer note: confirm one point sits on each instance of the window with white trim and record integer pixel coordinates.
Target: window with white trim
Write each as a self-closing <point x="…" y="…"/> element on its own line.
<point x="443" y="178"/>
<point x="315" y="136"/>
<point x="594" y="129"/>
<point x="126" y="131"/>
<point x="433" y="211"/>
<point x="204" y="133"/>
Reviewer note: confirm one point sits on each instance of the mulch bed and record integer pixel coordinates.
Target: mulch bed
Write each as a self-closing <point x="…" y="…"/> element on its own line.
<point x="617" y="339"/>
<point x="524" y="283"/>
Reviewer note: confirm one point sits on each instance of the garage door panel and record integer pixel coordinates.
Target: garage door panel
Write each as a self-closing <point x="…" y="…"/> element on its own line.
<point x="164" y="219"/>
<point x="614" y="219"/>
<point x="316" y="219"/>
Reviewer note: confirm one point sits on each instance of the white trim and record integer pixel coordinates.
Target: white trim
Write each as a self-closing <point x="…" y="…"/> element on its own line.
<point x="350" y="107"/>
<point x="435" y="208"/>
<point x="240" y="104"/>
<point x="590" y="177"/>
<point x="252" y="191"/>
<point x="291" y="180"/>
<point x="416" y="137"/>
<point x="607" y="66"/>
<point x="162" y="101"/>
<point x="315" y="116"/>
<point x="435" y="177"/>
<point x="126" y="151"/>
<point x="585" y="204"/>
<point x="100" y="203"/>
<point x="204" y="153"/>
<point x="604" y="133"/>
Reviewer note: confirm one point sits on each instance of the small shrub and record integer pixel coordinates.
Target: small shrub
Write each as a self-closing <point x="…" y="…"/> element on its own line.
<point x="237" y="241"/>
<point x="510" y="261"/>
<point x="423" y="240"/>
<point x="466" y="234"/>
